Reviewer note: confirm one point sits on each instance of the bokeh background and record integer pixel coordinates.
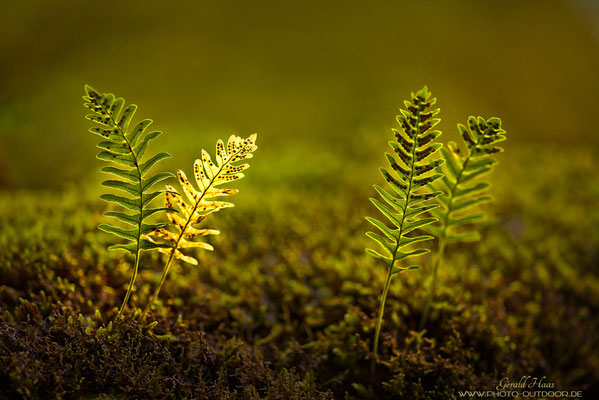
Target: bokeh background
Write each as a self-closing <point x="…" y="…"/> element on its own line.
<point x="319" y="81"/>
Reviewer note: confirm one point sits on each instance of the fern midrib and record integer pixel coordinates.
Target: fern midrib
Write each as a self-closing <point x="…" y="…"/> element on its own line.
<point x="408" y="192"/>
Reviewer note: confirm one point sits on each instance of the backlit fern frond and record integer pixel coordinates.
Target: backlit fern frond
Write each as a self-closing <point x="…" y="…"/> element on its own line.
<point x="125" y="148"/>
<point x="462" y="189"/>
<point x="197" y="204"/>
<point x="410" y="180"/>
<point x="411" y="196"/>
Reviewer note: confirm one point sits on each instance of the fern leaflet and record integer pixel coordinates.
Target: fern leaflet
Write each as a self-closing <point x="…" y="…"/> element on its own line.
<point x="463" y="189"/>
<point x="208" y="176"/>
<point x="406" y="207"/>
<point x="125" y="148"/>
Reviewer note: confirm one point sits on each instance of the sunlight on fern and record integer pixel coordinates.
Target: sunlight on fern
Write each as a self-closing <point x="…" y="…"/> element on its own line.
<point x="200" y="203"/>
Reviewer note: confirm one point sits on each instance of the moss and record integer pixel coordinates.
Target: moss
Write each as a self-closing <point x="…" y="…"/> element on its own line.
<point x="62" y="357"/>
<point x="285" y="306"/>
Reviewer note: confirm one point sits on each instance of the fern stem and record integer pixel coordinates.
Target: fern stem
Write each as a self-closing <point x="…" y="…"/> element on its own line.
<point x="379" y="321"/>
<point x="131" y="283"/>
<point x="157" y="290"/>
<point x="431" y="296"/>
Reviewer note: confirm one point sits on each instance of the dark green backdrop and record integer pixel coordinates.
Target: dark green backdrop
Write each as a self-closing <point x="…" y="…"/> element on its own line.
<point x="317" y="80"/>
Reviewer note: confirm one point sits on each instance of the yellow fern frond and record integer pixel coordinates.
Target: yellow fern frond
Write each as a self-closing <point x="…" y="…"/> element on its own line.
<point x="198" y="203"/>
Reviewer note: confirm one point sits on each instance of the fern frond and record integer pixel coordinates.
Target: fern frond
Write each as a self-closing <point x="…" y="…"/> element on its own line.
<point x="197" y="203"/>
<point x="411" y="174"/>
<point x="463" y="189"/>
<point x="409" y="198"/>
<point x="462" y="186"/>
<point x="125" y="148"/>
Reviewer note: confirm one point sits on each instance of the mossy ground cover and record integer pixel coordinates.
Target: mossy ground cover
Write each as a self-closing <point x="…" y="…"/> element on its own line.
<point x="285" y="306"/>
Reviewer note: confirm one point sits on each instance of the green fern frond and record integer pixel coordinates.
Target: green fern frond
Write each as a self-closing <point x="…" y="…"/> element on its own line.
<point x="461" y="185"/>
<point x="209" y="176"/>
<point x="125" y="148"/>
<point x="411" y="199"/>
<point x="463" y="188"/>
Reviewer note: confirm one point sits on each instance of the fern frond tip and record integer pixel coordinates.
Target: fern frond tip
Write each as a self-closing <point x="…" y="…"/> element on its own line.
<point x="90" y="91"/>
<point x="423" y="93"/>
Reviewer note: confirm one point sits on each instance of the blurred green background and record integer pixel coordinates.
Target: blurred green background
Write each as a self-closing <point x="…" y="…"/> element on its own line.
<point x="319" y="81"/>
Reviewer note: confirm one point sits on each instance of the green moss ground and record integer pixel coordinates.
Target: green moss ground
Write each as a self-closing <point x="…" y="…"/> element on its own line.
<point x="285" y="307"/>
